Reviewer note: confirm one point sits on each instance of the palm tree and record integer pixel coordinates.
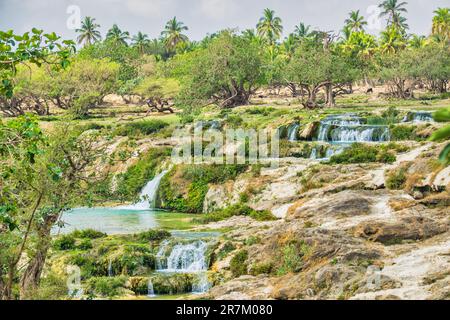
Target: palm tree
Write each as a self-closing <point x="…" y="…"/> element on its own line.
<point x="173" y="33"/>
<point x="117" y="35"/>
<point x="391" y="9"/>
<point x="140" y="41"/>
<point x="269" y="26"/>
<point x="441" y="22"/>
<point x="392" y="39"/>
<point x="400" y="22"/>
<point x="417" y="41"/>
<point x="302" y="31"/>
<point x="355" y="22"/>
<point x="88" y="31"/>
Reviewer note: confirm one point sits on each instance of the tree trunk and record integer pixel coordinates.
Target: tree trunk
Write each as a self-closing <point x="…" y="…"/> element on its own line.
<point x="329" y="96"/>
<point x="32" y="274"/>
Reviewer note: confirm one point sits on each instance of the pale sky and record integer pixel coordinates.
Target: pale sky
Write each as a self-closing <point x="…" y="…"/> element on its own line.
<point x="201" y="16"/>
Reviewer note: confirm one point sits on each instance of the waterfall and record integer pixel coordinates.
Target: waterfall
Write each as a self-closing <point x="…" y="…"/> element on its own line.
<point x="151" y="291"/>
<point x="418" y="117"/>
<point x="350" y="128"/>
<point x="189" y="257"/>
<point x="110" y="271"/>
<point x="148" y="194"/>
<point x="185" y="258"/>
<point x="360" y="134"/>
<point x="292" y="132"/>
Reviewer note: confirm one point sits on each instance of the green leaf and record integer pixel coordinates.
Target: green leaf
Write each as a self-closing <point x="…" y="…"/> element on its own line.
<point x="441" y="134"/>
<point x="444" y="157"/>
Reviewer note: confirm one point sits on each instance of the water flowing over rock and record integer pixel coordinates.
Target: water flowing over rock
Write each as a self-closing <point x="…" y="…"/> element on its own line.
<point x="185" y="258"/>
<point x="350" y="128"/>
<point x="293" y="132"/>
<point x="418" y="117"/>
<point x="148" y="194"/>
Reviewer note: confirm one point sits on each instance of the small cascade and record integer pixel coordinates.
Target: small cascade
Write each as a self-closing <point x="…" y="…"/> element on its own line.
<point x="418" y="117"/>
<point x="189" y="257"/>
<point x="151" y="291"/>
<point x="110" y="271"/>
<point x="350" y="128"/>
<point x="293" y="131"/>
<point x="360" y="134"/>
<point x="148" y="194"/>
<point x="185" y="258"/>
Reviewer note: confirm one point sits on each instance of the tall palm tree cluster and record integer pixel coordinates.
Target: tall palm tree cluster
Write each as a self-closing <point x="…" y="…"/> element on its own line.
<point x="269" y="30"/>
<point x="172" y="35"/>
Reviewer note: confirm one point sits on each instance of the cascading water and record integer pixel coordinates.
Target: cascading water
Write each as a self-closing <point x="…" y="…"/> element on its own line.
<point x="185" y="258"/>
<point x="292" y="132"/>
<point x="418" y="117"/>
<point x="350" y="128"/>
<point x="151" y="291"/>
<point x="148" y="194"/>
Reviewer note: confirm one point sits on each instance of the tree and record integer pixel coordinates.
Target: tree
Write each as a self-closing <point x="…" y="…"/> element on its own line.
<point x="117" y="36"/>
<point x="417" y="41"/>
<point x="88" y="31"/>
<point x="41" y="177"/>
<point x="173" y="33"/>
<point x="158" y="93"/>
<point x="140" y="41"/>
<point x="79" y="88"/>
<point x="441" y="23"/>
<point x="314" y="67"/>
<point x="228" y="72"/>
<point x="355" y="22"/>
<point x="392" y="10"/>
<point x="397" y="69"/>
<point x="269" y="26"/>
<point x="302" y="31"/>
<point x="35" y="48"/>
<point x="392" y="40"/>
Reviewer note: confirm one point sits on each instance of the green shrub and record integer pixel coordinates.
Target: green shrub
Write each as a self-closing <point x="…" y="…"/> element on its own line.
<point x="64" y="242"/>
<point x="363" y="153"/>
<point x="238" y="264"/>
<point x="396" y="179"/>
<point x="86" y="244"/>
<point x="105" y="286"/>
<point x="144" y="127"/>
<point x="88" y="234"/>
<point x="292" y="257"/>
<point x="403" y="132"/>
<point x="262" y="268"/>
<point x="236" y="210"/>
<point x="153" y="235"/>
<point x="234" y="120"/>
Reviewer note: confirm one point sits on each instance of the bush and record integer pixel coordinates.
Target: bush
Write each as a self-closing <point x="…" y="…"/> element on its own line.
<point x="86" y="244"/>
<point x="292" y="257"/>
<point x="238" y="264"/>
<point x="88" y="234"/>
<point x="145" y="127"/>
<point x="261" y="268"/>
<point x="105" y="286"/>
<point x="402" y="132"/>
<point x="236" y="210"/>
<point x="362" y="153"/>
<point x="65" y="242"/>
<point x="396" y="179"/>
<point x="153" y="235"/>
